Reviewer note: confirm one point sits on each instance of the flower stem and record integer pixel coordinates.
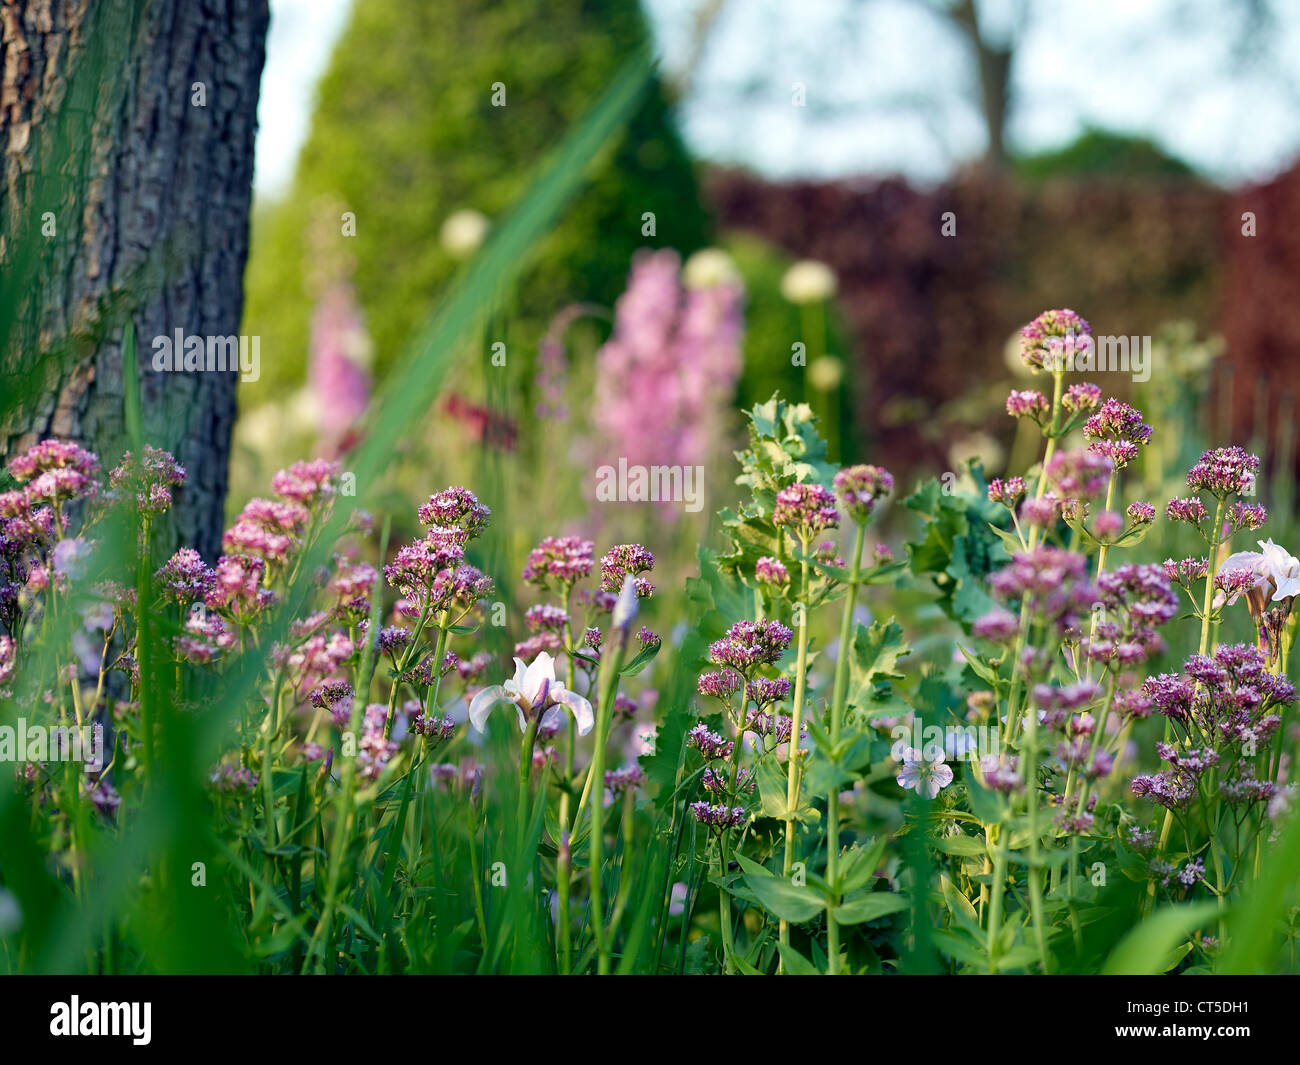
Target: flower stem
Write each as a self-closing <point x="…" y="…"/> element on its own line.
<point x="796" y="724"/>
<point x="839" y="697"/>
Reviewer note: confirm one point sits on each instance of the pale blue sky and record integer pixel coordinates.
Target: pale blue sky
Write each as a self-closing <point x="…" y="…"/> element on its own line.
<point x="885" y="83"/>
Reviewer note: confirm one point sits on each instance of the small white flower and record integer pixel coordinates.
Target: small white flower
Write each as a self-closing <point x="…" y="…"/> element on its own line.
<point x="708" y="268"/>
<point x="808" y="281"/>
<point x="463" y="232"/>
<point x="534" y="691"/>
<point x="926" y="778"/>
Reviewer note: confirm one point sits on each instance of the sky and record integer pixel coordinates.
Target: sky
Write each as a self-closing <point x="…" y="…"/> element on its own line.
<point x="886" y="83"/>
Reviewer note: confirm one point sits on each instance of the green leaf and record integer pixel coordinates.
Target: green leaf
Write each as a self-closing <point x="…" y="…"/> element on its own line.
<point x="869" y="907"/>
<point x="1149" y="948"/>
<point x="795" y="963"/>
<point x="642" y="659"/>
<point x="779" y="895"/>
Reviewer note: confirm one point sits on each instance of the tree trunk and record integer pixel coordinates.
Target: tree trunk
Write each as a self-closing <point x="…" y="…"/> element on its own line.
<point x="128" y="130"/>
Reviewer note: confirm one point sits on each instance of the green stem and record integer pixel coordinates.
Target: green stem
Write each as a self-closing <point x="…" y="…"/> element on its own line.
<point x="796" y="724"/>
<point x="839" y="697"/>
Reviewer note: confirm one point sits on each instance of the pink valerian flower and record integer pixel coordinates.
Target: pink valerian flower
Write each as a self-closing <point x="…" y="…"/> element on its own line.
<point x="1119" y="452"/>
<point x="1224" y="471"/>
<point x="1008" y="492"/>
<point x="393" y="639"/>
<point x="926" y="776"/>
<point x="237" y="586"/>
<point x="55" y="471"/>
<point x="418" y="565"/>
<point x="545" y="617"/>
<point x="859" y="488"/>
<point x="1141" y="512"/>
<point x="1185" y="572"/>
<point x="374" y="751"/>
<point x="719" y="817"/>
<point x="336" y="698"/>
<point x="825" y="552"/>
<point x="623" y="561"/>
<point x="1191" y="511"/>
<point x="1117" y="421"/>
<point x="307" y="483"/>
<point x="457" y="511"/>
<point x="1041" y="512"/>
<point x="718" y="781"/>
<point x="806" y="509"/>
<point x="750" y="644"/>
<point x="150" y="479"/>
<point x="1000" y="773"/>
<point x="318" y="660"/>
<point x="231" y="779"/>
<point x="1055" y="581"/>
<point x="666" y="375"/>
<point x="1107" y="525"/>
<point x="563" y="559"/>
<point x="435" y="728"/>
<point x="185" y="578"/>
<point x="1029" y="403"/>
<point x="1080" y="398"/>
<point x="764" y="690"/>
<point x="1232" y="702"/>
<point x="349" y="587"/>
<point x="1052" y="339"/>
<point x="547" y="642"/>
<point x="206" y="636"/>
<point x="722" y="684"/>
<point x="267" y="528"/>
<point x="998" y="625"/>
<point x="625" y="779"/>
<point x="1250" y="516"/>
<point x="1079" y="474"/>
<point x="768" y="570"/>
<point x="709" y="743"/>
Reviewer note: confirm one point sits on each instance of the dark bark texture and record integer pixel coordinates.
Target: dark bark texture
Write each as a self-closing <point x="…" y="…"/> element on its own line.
<point x="124" y="197"/>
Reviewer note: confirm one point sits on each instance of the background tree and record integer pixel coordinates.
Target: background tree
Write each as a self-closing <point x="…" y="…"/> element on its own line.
<point x="128" y="129"/>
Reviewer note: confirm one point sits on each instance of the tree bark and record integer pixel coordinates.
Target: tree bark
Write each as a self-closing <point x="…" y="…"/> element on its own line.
<point x="127" y="129"/>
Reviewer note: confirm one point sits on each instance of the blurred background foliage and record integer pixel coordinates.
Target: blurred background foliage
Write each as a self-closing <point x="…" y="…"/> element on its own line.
<point x="405" y="134"/>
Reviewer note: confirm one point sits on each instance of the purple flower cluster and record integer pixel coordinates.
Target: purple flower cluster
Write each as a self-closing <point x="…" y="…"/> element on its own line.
<point x="1141" y="512"/>
<point x="1054" y="580"/>
<point x="710" y="744"/>
<point x="1008" y="492"/>
<point x="1029" y="403"/>
<point x="455" y="510"/>
<point x="563" y="559"/>
<point x="623" y="561"/>
<point x="768" y="570"/>
<point x="719" y="817"/>
<point x="750" y="644"/>
<point x="859" y="488"/>
<point x="149" y="479"/>
<point x="1080" y="398"/>
<point x="805" y="508"/>
<point x="1224" y="471"/>
<point x="1079" y="474"/>
<point x="1051" y="339"/>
